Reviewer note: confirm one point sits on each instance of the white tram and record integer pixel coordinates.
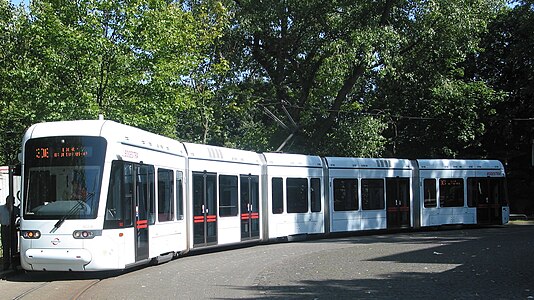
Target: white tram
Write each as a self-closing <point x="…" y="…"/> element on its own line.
<point x="369" y="194"/>
<point x="294" y="197"/>
<point x="461" y="192"/>
<point x="99" y="195"/>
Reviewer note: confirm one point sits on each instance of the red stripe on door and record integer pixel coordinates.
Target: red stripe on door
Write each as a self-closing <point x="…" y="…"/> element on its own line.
<point x="201" y="219"/>
<point x="253" y="215"/>
<point x="398" y="209"/>
<point x="141" y="224"/>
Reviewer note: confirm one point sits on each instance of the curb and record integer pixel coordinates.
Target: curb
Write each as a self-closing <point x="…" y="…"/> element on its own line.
<point x="521" y="222"/>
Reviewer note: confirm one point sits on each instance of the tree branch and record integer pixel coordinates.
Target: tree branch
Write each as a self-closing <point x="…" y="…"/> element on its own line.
<point x="324" y="125"/>
<point x="386" y="12"/>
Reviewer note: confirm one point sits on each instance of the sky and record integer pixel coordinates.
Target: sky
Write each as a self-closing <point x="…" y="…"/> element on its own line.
<point x="17" y="2"/>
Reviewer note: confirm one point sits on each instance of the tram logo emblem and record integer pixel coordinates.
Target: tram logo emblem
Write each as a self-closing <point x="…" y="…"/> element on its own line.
<point x="55" y="241"/>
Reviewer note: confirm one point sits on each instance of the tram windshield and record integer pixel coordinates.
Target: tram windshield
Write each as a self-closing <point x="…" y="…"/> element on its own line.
<point x="63" y="177"/>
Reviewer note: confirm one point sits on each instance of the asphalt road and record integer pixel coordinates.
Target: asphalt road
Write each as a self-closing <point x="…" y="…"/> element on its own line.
<point x="479" y="263"/>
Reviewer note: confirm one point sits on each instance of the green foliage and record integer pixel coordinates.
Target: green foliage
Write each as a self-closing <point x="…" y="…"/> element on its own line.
<point x="358" y="135"/>
<point x="14" y="76"/>
<point x="506" y="62"/>
<point x="298" y="63"/>
<point x="133" y="61"/>
<point x="355" y="78"/>
<point x="312" y="64"/>
<point x="435" y="109"/>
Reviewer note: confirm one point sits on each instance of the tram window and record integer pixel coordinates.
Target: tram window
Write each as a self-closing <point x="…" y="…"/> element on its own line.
<point x="485" y="191"/>
<point x="297" y="195"/>
<point x="429" y="190"/>
<point x="277" y="195"/>
<point x="315" y="195"/>
<point x="151" y="191"/>
<point x="345" y="194"/>
<point x="500" y="190"/>
<point x="227" y="196"/>
<point x="372" y="194"/>
<point x="451" y="192"/>
<point x="120" y="196"/>
<point x="250" y="193"/>
<point x="179" y="196"/>
<point x="205" y="193"/>
<point x="40" y="192"/>
<point x="145" y="193"/>
<point x="165" y="195"/>
<point x="474" y="191"/>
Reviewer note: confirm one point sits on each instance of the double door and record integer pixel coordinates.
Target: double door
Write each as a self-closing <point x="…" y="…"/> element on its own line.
<point x="250" y="212"/>
<point x="489" y="196"/>
<point x="130" y="203"/>
<point x="205" y="207"/>
<point x="398" y="202"/>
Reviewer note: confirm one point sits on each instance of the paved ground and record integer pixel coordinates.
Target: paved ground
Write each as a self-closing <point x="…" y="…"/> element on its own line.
<point x="481" y="263"/>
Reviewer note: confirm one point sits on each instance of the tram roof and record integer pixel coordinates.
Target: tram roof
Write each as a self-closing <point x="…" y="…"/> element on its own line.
<point x="208" y="152"/>
<point x="459" y="164"/>
<point x="368" y="163"/>
<point x="112" y="131"/>
<point x="66" y="128"/>
<point x="292" y="160"/>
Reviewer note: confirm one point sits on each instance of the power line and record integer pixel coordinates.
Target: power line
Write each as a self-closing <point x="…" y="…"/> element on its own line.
<point x="341" y="111"/>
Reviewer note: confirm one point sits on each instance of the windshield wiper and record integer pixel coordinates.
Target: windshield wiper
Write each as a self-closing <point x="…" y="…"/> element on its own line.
<point x="74" y="209"/>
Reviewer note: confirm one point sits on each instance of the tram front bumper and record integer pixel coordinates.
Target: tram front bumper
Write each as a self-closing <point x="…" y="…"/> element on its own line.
<point x="56" y="259"/>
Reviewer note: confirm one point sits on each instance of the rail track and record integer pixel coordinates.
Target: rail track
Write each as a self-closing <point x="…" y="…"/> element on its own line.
<point x="60" y="286"/>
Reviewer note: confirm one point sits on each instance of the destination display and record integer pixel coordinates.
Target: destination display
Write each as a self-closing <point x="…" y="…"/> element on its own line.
<point x="65" y="151"/>
<point x="62" y="152"/>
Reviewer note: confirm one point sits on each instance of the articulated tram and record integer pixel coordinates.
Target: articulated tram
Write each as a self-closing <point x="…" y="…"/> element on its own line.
<point x="99" y="195"/>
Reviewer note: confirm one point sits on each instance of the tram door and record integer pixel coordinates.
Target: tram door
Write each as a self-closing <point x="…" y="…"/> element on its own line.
<point x="144" y="185"/>
<point x="204" y="209"/>
<point x="488" y="194"/>
<point x="250" y="213"/>
<point x="398" y="202"/>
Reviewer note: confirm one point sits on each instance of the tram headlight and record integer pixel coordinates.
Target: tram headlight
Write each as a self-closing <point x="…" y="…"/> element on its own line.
<point x="86" y="234"/>
<point x="30" y="234"/>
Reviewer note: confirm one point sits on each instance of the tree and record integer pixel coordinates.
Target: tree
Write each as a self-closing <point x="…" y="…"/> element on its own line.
<point x="431" y="100"/>
<point x="320" y="71"/>
<point x="12" y="72"/>
<point x="129" y="60"/>
<point x="200" y="121"/>
<point x="507" y="64"/>
<point x="280" y="52"/>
